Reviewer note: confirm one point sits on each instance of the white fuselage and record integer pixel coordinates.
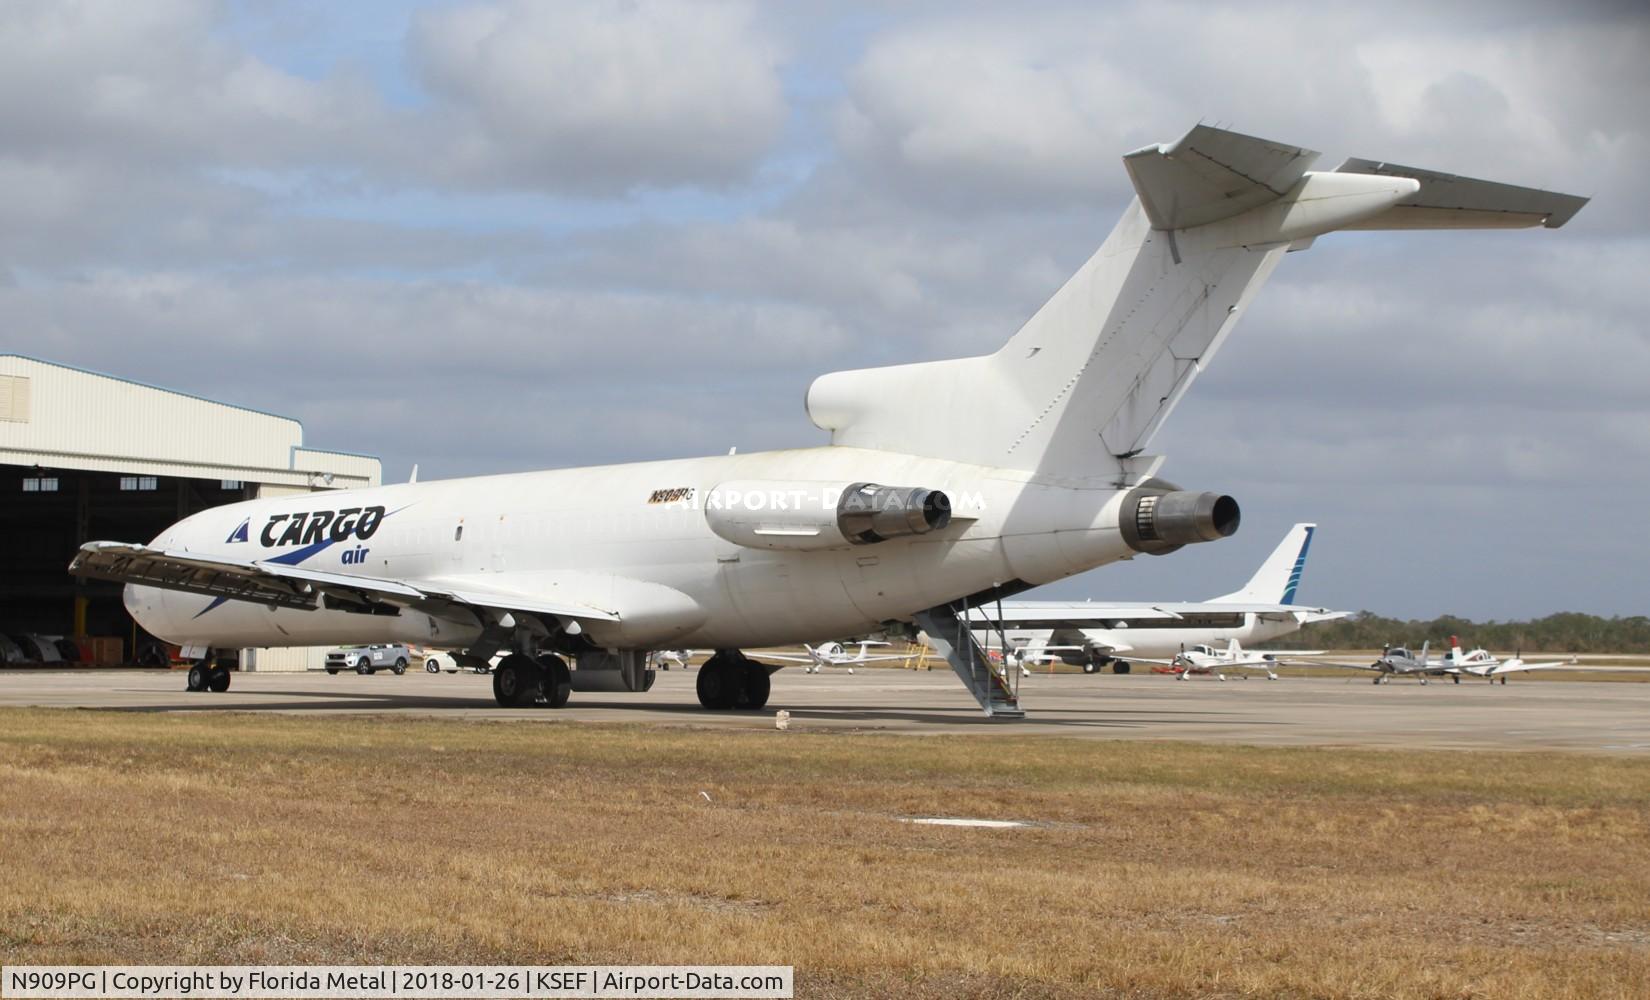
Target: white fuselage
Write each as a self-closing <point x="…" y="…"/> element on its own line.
<point x="1146" y="639"/>
<point x="601" y="536"/>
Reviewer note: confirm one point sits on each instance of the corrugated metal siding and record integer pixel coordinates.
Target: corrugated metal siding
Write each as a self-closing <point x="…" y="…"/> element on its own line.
<point x="85" y="420"/>
<point x="287" y="659"/>
<point x="14" y="398"/>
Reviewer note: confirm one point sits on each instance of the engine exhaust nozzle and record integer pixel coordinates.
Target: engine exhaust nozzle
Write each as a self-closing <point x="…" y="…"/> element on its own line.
<point x="1158" y="521"/>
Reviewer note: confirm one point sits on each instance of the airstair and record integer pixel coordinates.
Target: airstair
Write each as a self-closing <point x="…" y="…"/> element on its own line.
<point x="996" y="686"/>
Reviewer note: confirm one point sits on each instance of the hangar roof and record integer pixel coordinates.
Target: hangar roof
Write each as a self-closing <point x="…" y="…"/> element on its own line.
<point x="61" y="417"/>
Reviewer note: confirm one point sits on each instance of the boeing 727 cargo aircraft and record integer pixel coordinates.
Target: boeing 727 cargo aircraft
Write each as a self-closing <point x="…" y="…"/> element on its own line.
<point x="945" y="485"/>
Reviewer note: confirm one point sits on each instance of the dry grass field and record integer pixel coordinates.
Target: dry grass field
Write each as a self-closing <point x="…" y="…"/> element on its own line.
<point x="1154" y="869"/>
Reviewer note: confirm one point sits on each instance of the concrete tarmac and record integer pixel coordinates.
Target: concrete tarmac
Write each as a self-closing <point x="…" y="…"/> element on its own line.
<point x="1599" y="717"/>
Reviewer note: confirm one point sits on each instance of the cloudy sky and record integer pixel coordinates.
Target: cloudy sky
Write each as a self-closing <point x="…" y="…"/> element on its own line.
<point x="498" y="236"/>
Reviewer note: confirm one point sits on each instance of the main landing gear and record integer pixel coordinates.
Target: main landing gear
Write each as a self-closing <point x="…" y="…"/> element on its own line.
<point x="521" y="681"/>
<point x="208" y="675"/>
<point x="730" y="679"/>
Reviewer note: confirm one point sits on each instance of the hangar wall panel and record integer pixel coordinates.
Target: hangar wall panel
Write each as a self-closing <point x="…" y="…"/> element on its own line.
<point x="64" y="417"/>
<point x="285" y="659"/>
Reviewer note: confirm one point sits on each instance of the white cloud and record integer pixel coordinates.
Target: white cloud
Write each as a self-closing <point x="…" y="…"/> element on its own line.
<point x="600" y="97"/>
<point x="151" y="82"/>
<point x="991" y="109"/>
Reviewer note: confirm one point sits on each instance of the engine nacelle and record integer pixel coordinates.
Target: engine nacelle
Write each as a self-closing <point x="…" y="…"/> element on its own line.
<point x="782" y="514"/>
<point x="1158" y="518"/>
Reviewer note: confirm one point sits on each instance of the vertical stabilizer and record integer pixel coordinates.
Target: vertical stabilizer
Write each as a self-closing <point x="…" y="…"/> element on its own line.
<point x="1280" y="575"/>
<point x="1083" y="387"/>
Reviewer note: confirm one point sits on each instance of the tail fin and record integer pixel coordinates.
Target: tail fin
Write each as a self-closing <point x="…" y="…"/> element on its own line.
<point x="1081" y="390"/>
<point x="1280" y="575"/>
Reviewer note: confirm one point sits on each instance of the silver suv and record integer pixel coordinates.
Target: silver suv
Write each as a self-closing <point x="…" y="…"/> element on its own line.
<point x="369" y="659"/>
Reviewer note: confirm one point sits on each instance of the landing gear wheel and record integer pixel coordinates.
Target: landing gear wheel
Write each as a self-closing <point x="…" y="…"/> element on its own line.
<point x="558" y="680"/>
<point x="217" y="679"/>
<point x="756" y="688"/>
<point x="432" y="666"/>
<point x="400" y="666"/>
<point x="1090" y="667"/>
<point x="1119" y="667"/>
<point x="718" y="684"/>
<point x="516" y="682"/>
<point x="197" y="678"/>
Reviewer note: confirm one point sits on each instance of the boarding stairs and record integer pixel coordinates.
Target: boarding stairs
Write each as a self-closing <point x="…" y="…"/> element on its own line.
<point x="996" y="686"/>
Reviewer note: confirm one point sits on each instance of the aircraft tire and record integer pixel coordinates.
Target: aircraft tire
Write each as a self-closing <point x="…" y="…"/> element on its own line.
<point x="217" y="679"/>
<point x="558" y="680"/>
<point x="516" y="682"/>
<point x="1090" y="667"/>
<point x="1119" y="667"/>
<point x="197" y="678"/>
<point x="717" y="684"/>
<point x="754" y="692"/>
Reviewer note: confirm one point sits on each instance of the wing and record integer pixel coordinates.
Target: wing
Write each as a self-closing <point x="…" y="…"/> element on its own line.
<point x="283" y="586"/>
<point x="1518" y="666"/>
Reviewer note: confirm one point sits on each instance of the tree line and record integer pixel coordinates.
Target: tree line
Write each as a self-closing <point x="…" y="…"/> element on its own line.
<point x="1565" y="632"/>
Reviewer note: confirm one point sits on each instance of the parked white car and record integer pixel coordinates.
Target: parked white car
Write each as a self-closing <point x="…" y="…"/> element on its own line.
<point x="440" y="661"/>
<point x="369" y="659"/>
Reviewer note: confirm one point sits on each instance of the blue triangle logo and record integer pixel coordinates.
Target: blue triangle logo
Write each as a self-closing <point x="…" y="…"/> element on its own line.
<point x="239" y="534"/>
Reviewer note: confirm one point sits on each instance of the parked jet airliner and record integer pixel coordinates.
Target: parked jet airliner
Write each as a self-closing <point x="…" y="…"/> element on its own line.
<point x="945" y="484"/>
<point x="1091" y="634"/>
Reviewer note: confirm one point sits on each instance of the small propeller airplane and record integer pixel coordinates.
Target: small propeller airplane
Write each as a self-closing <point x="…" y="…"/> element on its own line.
<point x="833" y="654"/>
<point x="1398" y="661"/>
<point x="664" y="659"/>
<point x="1482" y="663"/>
<point x="1206" y="659"/>
<point x="1020" y="654"/>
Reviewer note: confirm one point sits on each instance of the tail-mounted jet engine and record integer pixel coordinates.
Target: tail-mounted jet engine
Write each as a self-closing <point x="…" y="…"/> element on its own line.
<point x="778" y="514"/>
<point x="1160" y="517"/>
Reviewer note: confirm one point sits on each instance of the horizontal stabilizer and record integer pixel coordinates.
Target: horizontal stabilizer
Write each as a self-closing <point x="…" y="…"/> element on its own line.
<point x="1210" y="174"/>
<point x="1446" y="201"/>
